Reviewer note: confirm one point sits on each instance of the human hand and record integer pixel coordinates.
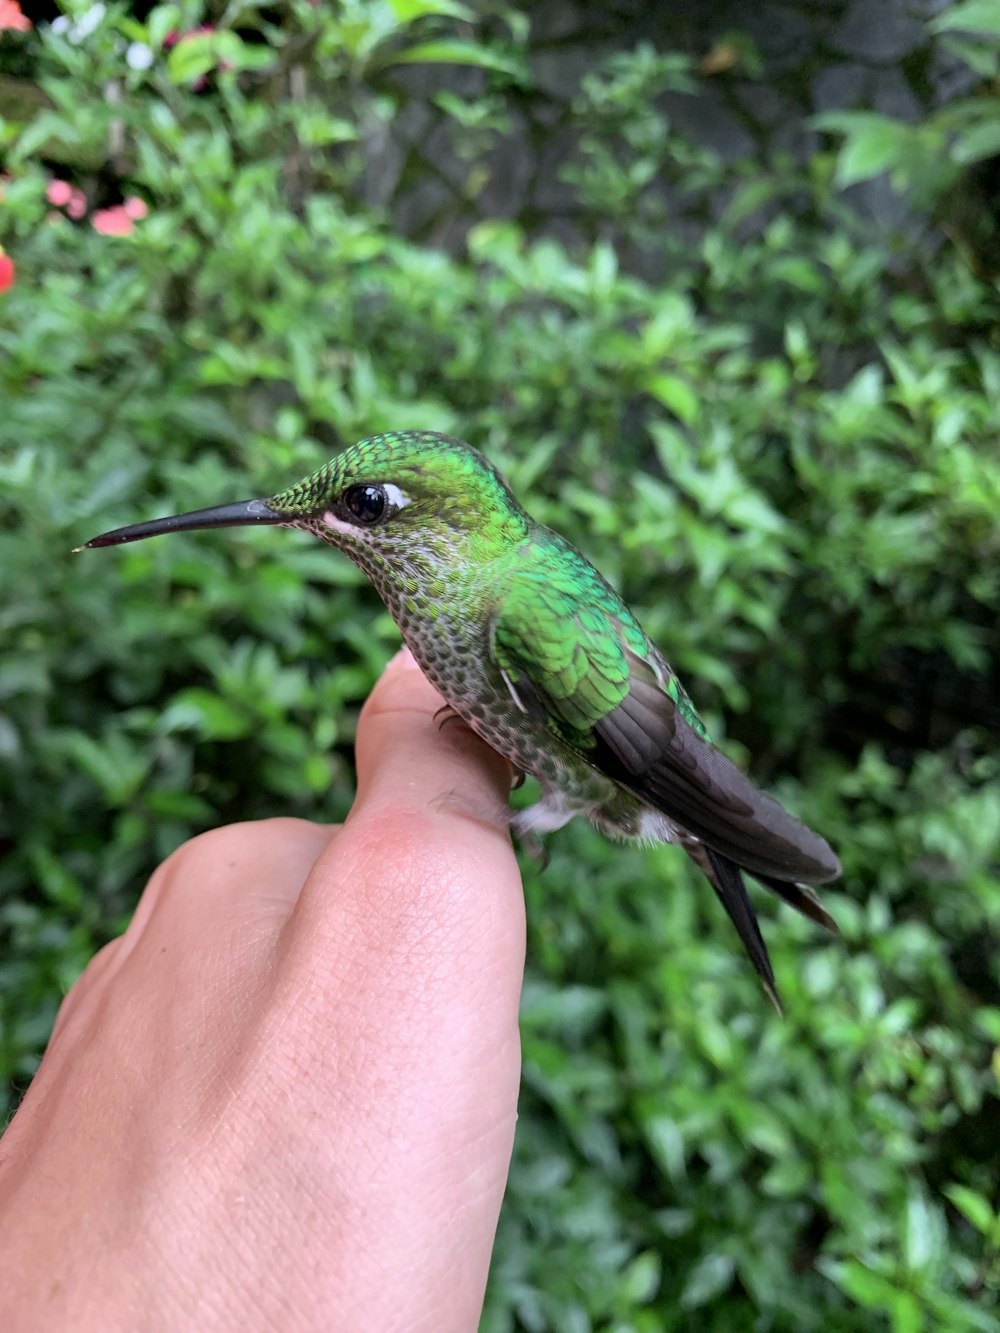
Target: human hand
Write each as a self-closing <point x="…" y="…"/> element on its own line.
<point x="285" y="1098"/>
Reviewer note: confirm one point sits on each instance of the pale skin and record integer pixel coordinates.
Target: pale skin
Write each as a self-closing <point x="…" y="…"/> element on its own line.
<point x="285" y="1098"/>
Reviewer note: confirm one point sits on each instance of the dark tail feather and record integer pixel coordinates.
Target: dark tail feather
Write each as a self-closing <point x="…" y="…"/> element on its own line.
<point x="727" y="880"/>
<point x="802" y="898"/>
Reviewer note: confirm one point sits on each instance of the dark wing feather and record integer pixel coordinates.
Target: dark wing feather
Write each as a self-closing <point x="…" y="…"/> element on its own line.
<point x="648" y="746"/>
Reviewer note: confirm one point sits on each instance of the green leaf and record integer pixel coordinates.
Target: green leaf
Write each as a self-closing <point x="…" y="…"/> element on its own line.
<point x="641" y="1280"/>
<point x="200" y="710"/>
<point x="163" y="19"/>
<point x="923" y="1234"/>
<point x="974" y="1207"/>
<point x="457" y="52"/>
<point x="192" y="58"/>
<point x="710" y="1276"/>
<point x="972" y="16"/>
<point x="870" y="149"/>
<point x="408" y="10"/>
<point x="59" y="884"/>
<point x="787" y="1178"/>
<point x="116" y="764"/>
<point x="979" y="141"/>
<point x="871" y="1290"/>
<point x="666" y="1142"/>
<point x="675" y="394"/>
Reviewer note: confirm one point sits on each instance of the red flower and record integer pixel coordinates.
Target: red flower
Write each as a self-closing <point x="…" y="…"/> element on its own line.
<point x="7" y="271"/>
<point x="12" y="20"/>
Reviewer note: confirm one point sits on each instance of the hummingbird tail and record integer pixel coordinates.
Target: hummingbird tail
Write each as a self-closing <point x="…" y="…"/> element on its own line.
<point x="802" y="898"/>
<point x="726" y="879"/>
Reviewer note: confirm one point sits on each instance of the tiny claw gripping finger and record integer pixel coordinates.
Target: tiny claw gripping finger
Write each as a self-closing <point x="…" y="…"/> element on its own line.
<point x="532" y="845"/>
<point x="448" y="714"/>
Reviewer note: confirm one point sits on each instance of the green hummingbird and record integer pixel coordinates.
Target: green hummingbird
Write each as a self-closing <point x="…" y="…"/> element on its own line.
<point x="537" y="653"/>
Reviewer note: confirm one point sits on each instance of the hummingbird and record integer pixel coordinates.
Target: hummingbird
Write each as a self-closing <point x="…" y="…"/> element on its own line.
<point x="534" y="650"/>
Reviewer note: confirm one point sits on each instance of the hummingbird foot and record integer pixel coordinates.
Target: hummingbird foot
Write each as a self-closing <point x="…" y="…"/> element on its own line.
<point x="546" y="815"/>
<point x="531" y="844"/>
<point x="448" y="714"/>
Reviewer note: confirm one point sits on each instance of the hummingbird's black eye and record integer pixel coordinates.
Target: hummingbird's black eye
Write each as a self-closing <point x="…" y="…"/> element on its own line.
<point x="365" y="503"/>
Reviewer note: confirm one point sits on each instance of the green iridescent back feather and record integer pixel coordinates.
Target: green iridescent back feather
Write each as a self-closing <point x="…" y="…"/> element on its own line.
<point x="564" y="629"/>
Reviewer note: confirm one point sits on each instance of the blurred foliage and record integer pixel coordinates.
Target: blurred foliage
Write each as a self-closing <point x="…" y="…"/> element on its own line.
<point x="780" y="442"/>
<point x="932" y="157"/>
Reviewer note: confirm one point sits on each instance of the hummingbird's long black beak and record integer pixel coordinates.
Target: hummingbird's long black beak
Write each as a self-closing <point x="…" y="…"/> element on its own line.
<point x="219" y="516"/>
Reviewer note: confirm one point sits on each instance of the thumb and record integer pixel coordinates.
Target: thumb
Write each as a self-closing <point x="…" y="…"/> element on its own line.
<point x="410" y="938"/>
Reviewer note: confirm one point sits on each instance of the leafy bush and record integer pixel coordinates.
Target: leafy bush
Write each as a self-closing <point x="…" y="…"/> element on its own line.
<point x="780" y="443"/>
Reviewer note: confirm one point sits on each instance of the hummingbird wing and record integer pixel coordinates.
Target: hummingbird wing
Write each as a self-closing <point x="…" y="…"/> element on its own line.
<point x="683" y="774"/>
<point x="575" y="658"/>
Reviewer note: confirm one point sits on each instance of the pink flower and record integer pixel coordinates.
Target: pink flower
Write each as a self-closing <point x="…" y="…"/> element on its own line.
<point x="12" y="20"/>
<point x="7" y="271"/>
<point x="118" y="220"/>
<point x="112" y="221"/>
<point x="63" y="195"/>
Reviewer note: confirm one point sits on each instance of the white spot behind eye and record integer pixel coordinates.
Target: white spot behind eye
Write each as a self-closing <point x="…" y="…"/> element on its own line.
<point x="331" y="520"/>
<point x="397" y="498"/>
